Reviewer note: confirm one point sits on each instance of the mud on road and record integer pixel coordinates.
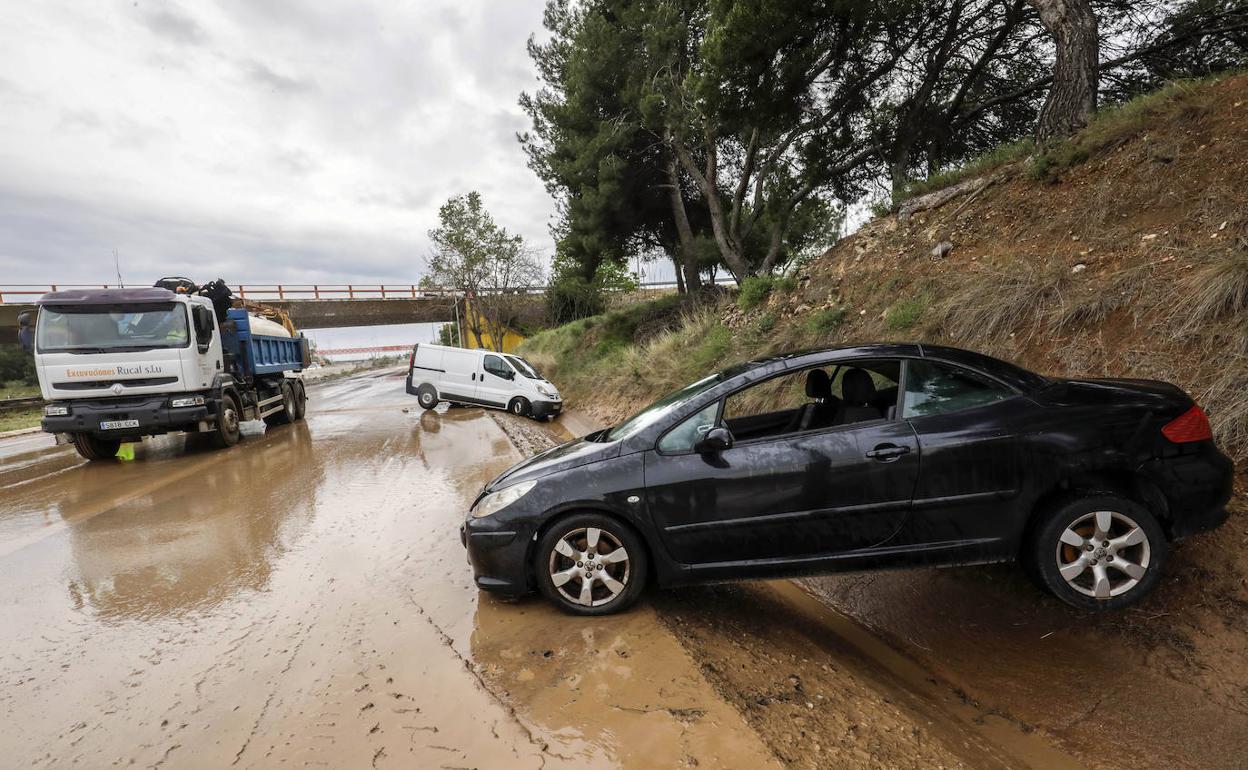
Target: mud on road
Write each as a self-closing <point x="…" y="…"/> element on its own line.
<point x="303" y="600"/>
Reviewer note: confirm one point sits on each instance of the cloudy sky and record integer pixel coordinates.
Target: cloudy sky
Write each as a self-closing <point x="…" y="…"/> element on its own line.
<point x="257" y="140"/>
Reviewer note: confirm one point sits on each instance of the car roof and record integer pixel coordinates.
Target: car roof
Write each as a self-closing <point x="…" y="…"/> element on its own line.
<point x="1011" y="374"/>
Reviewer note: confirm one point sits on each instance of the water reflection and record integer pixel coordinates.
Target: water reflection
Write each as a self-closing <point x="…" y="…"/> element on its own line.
<point x="194" y="541"/>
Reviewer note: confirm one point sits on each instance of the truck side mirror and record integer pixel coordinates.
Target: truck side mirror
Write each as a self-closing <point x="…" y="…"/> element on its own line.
<point x="203" y="326"/>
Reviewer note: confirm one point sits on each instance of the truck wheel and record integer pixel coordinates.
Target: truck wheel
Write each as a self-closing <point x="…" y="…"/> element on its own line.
<point x="227" y="432"/>
<point x="301" y="400"/>
<point x="427" y="396"/>
<point x="520" y="406"/>
<point x="95" y="448"/>
<point x="287" y="414"/>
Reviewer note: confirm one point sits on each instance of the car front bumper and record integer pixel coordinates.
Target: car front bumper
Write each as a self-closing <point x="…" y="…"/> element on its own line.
<point x="153" y="414"/>
<point x="499" y="557"/>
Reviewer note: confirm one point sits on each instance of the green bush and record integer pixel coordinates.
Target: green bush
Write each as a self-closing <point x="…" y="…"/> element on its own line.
<point x="826" y="320"/>
<point x="754" y="291"/>
<point x="16" y="365"/>
<point x="765" y="323"/>
<point x="714" y="346"/>
<point x="785" y="283"/>
<point x="904" y="313"/>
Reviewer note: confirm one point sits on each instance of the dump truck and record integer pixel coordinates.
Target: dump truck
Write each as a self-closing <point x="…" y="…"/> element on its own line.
<point x="116" y="365"/>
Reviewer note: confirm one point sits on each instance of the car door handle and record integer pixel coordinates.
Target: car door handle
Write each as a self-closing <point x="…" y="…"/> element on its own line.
<point x="887" y="452"/>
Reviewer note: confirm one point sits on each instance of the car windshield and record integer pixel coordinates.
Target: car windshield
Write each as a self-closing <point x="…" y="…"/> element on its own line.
<point x="524" y="367"/>
<point x="97" y="330"/>
<point x="661" y="408"/>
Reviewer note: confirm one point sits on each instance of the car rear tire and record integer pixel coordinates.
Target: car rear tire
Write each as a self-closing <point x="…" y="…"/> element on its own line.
<point x="520" y="407"/>
<point x="590" y="564"/>
<point x="426" y="396"/>
<point x="94" y="448"/>
<point x="227" y="432"/>
<point x="1098" y="552"/>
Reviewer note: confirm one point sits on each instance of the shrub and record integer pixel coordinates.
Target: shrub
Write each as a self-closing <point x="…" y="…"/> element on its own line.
<point x="786" y="283"/>
<point x="16" y="365"/>
<point x="827" y="320"/>
<point x="992" y="303"/>
<point x="1218" y="289"/>
<point x="754" y="291"/>
<point x="904" y="313"/>
<point x="765" y="323"/>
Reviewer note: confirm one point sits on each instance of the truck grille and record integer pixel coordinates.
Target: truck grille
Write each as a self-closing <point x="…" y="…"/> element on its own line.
<point x="141" y="382"/>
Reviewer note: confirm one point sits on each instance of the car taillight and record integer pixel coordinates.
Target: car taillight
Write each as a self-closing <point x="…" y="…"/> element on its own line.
<point x="411" y="360"/>
<point x="1192" y="425"/>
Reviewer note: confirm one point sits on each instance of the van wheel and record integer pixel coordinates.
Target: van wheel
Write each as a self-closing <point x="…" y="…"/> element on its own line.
<point x="228" y="431"/>
<point x="1099" y="552"/>
<point x="519" y="406"/>
<point x="427" y="396"/>
<point x="94" y="448"/>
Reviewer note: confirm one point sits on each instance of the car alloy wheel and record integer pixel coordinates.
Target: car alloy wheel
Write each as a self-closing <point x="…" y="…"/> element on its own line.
<point x="1103" y="554"/>
<point x="590" y="567"/>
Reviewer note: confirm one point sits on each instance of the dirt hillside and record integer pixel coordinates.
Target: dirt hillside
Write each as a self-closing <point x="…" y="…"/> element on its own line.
<point x="1123" y="252"/>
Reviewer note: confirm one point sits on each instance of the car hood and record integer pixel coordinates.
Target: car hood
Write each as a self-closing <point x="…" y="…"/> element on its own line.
<point x="558" y="458"/>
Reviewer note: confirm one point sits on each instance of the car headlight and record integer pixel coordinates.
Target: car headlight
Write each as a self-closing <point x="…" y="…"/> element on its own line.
<point x="496" y="501"/>
<point x="547" y="391"/>
<point x="52" y="410"/>
<point x="187" y="401"/>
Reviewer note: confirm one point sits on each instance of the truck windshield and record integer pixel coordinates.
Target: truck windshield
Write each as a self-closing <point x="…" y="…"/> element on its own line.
<point x="104" y="330"/>
<point x="524" y="367"/>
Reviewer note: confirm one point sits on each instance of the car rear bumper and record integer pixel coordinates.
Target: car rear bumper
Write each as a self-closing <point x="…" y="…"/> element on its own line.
<point x="498" y="559"/>
<point x="152" y="413"/>
<point x="1197" y="486"/>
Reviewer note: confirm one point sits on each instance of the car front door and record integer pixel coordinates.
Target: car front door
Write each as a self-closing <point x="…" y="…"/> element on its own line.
<point x="784" y="498"/>
<point x="496" y="381"/>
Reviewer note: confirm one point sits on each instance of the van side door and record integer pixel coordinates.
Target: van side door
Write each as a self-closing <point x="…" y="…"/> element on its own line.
<point x="459" y="375"/>
<point x="496" y="381"/>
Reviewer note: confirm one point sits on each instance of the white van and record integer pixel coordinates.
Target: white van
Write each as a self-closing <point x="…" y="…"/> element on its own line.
<point x="482" y="378"/>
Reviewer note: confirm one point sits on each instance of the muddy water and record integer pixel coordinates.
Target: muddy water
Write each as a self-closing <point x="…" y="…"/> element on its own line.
<point x="303" y="600"/>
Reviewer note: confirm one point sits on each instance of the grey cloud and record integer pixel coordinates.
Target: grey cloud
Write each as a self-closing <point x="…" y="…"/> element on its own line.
<point x="171" y="23"/>
<point x="264" y="76"/>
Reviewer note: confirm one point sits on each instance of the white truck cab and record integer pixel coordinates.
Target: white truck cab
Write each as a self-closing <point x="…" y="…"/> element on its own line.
<point x="438" y="373"/>
<point x="116" y="365"/>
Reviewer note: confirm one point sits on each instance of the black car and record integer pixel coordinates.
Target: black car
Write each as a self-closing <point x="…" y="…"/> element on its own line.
<point x="856" y="458"/>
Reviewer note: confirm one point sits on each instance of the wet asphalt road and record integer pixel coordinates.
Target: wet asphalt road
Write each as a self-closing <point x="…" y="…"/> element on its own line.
<point x="303" y="600"/>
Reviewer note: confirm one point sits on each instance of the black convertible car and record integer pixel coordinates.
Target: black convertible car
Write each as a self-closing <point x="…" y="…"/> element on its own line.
<point x="856" y="458"/>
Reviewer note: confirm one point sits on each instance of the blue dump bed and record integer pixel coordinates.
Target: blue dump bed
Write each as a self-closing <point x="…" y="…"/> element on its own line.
<point x="262" y="354"/>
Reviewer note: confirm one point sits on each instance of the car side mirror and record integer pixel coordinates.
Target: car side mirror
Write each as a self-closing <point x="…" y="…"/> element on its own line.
<point x="203" y="327"/>
<point x="716" y="440"/>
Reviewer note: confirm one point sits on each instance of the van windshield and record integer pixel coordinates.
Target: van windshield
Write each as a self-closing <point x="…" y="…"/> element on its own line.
<point x="114" y="329"/>
<point x="524" y="367"/>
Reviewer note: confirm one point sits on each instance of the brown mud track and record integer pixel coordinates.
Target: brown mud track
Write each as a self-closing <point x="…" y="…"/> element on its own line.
<point x="303" y="600"/>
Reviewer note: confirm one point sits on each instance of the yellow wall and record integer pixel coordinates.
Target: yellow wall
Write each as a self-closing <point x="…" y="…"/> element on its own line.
<point x="511" y="340"/>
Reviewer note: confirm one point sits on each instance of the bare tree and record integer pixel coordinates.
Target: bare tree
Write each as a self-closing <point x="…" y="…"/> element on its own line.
<point x="1072" y="97"/>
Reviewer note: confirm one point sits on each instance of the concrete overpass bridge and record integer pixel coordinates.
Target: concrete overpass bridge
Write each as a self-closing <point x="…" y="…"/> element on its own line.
<point x="310" y="306"/>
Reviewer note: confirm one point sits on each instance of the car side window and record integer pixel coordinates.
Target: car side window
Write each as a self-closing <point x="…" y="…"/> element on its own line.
<point x="933" y="388"/>
<point x="495" y="365"/>
<point x="690" y="430"/>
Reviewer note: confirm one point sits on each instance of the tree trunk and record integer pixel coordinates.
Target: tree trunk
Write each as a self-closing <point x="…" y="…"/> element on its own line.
<point x="688" y="250"/>
<point x="680" y="275"/>
<point x="1072" y="97"/>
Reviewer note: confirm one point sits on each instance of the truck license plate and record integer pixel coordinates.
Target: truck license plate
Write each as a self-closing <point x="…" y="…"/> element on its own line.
<point x="118" y="424"/>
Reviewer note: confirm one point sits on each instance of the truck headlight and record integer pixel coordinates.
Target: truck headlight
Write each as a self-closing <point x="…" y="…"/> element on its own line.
<point x="187" y="401"/>
<point x="547" y="391"/>
<point x="496" y="501"/>
<point x="52" y="410"/>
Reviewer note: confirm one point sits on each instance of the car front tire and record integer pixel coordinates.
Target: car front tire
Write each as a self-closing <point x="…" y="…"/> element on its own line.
<point x="1098" y="552"/>
<point x="590" y="564"/>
